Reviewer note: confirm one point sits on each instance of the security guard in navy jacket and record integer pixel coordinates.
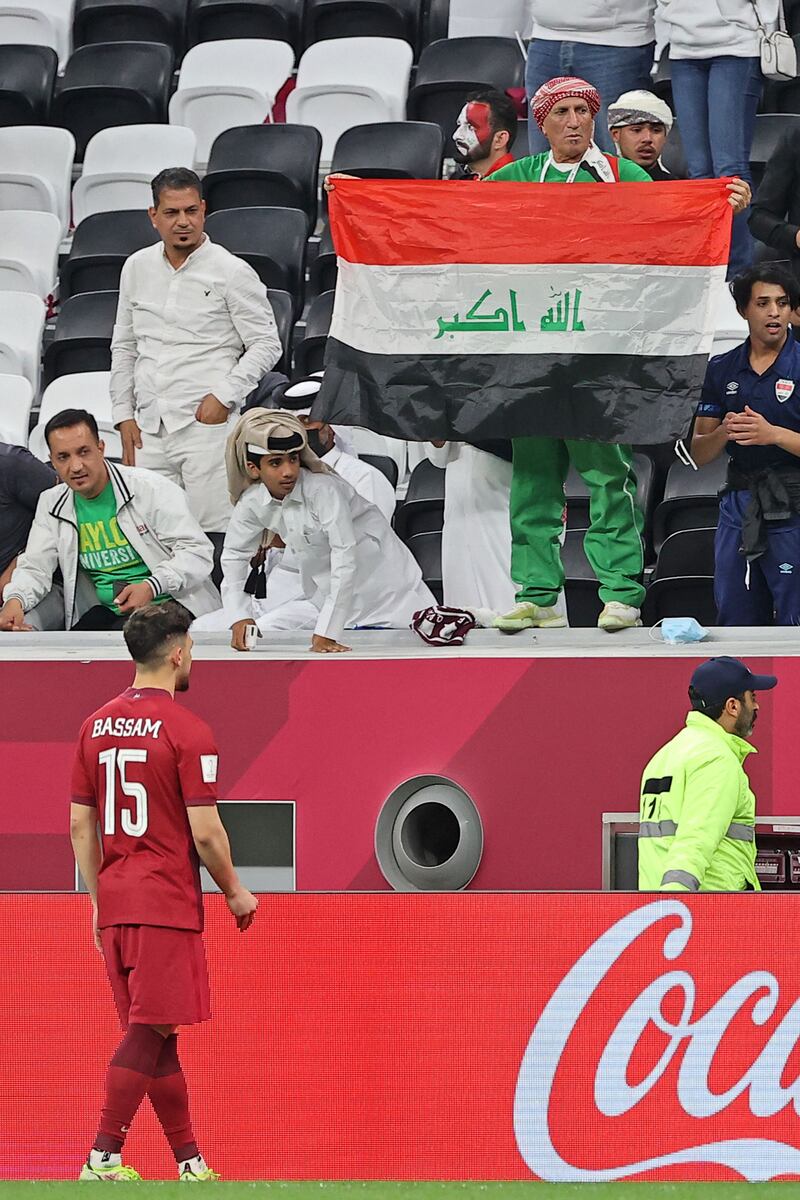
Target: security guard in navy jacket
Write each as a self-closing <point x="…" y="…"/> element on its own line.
<point x="750" y="407"/>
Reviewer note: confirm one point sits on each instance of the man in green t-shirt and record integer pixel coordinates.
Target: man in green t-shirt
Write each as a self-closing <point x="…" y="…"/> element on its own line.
<point x="564" y="109"/>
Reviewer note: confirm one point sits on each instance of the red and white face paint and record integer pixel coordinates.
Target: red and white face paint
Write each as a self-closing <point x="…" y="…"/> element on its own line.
<point x="473" y="135"/>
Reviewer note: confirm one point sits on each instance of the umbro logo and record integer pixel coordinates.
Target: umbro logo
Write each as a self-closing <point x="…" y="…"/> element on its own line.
<point x="786" y="568"/>
<point x="731" y="388"/>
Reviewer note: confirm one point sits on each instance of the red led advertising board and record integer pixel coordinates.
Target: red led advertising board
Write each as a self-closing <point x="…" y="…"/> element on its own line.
<point x="460" y="1036"/>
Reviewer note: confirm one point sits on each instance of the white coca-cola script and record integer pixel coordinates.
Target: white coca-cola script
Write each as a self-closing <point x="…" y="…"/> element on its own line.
<point x="754" y="1158"/>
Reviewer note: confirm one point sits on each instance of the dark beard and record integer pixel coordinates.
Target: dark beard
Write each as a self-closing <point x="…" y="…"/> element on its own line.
<point x="315" y="443"/>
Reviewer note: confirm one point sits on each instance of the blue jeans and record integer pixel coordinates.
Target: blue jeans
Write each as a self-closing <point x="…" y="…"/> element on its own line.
<point x="715" y="106"/>
<point x="612" y="69"/>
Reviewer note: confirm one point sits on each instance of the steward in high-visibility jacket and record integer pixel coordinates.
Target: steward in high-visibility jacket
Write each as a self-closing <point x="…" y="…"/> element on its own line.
<point x="697" y="810"/>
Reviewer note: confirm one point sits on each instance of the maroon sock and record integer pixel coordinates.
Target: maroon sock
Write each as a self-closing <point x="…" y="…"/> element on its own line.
<point x="170" y="1100"/>
<point x="127" y="1080"/>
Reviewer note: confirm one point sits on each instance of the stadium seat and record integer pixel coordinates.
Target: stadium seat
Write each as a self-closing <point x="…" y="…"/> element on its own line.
<point x="768" y="131"/>
<point x="423" y="509"/>
<point x="310" y="353"/>
<point x="216" y="20"/>
<point x="434" y="22"/>
<point x="283" y="311"/>
<point x="36" y="170"/>
<point x="365" y="442"/>
<point x="350" y="81"/>
<point x="474" y="18"/>
<point x="100" y="245"/>
<point x="120" y="163"/>
<point x="686" y="552"/>
<point x="129" y="21"/>
<point x="327" y="19"/>
<point x="82" y="338"/>
<point x="427" y="550"/>
<point x="662" y="80"/>
<point x="581" y="588"/>
<point x="27" y="79"/>
<point x="16" y="401"/>
<point x="37" y="23"/>
<point x="785" y="97"/>
<point x="272" y="240"/>
<point x="89" y="390"/>
<point x="21" y="326"/>
<point x="226" y="84"/>
<point x="673" y="156"/>
<point x="254" y="166"/>
<point x="399" y="150"/>
<point x="383" y="463"/>
<point x="449" y="70"/>
<point x="324" y="270"/>
<point x="687" y="596"/>
<point x="29" y="244"/>
<point x="690" y="499"/>
<point x="114" y="83"/>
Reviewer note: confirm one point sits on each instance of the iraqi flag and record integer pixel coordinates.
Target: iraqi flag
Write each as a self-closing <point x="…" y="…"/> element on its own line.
<point x="467" y="311"/>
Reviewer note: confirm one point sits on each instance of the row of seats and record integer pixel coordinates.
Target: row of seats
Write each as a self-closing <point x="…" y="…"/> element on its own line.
<point x="185" y="23"/>
<point x="339" y="83"/>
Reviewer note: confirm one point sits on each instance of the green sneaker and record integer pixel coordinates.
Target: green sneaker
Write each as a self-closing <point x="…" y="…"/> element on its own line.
<point x="529" y="616"/>
<point x="118" y="1174"/>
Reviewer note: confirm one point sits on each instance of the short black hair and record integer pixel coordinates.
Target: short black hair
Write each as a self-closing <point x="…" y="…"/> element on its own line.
<point x="150" y="631"/>
<point x="502" y="111"/>
<point x="767" y="272"/>
<point x="68" y="418"/>
<point x="714" y="711"/>
<point x="176" y="178"/>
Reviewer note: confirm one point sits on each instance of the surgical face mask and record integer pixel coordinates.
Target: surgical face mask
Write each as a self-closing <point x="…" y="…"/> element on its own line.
<point x="682" y="629"/>
<point x="316" y="444"/>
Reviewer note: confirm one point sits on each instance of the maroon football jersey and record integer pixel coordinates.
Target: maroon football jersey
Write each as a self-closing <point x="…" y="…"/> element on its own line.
<point x="141" y="761"/>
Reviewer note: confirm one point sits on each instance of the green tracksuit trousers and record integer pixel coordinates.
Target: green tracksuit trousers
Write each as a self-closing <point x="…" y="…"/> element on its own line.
<point x="613" y="543"/>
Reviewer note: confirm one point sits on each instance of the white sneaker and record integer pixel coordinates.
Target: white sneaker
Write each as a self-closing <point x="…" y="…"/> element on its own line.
<point x="529" y="616"/>
<point x="619" y="616"/>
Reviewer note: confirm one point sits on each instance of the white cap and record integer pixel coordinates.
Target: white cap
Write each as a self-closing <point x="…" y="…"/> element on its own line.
<point x="634" y="108"/>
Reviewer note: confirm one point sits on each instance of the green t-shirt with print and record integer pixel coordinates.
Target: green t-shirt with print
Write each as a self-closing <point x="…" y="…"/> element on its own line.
<point x="104" y="553"/>
<point x="529" y="170"/>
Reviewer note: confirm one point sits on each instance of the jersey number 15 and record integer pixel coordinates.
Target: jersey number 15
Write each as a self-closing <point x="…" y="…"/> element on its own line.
<point x="115" y="761"/>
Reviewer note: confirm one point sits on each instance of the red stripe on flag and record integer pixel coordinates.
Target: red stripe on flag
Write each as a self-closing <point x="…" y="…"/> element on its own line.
<point x="415" y="222"/>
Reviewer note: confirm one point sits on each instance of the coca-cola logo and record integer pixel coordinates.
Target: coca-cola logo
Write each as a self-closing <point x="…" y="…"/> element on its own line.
<point x="754" y="996"/>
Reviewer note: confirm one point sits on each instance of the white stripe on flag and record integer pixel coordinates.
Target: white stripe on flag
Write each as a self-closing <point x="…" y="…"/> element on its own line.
<point x="488" y="309"/>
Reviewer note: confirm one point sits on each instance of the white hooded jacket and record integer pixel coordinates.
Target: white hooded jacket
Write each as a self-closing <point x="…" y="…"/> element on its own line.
<point x="596" y="22"/>
<point x="153" y="514"/>
<point x="713" y="28"/>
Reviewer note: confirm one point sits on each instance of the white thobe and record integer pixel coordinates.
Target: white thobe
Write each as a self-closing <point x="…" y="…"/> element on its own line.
<point x="476" y="538"/>
<point x="352" y="567"/>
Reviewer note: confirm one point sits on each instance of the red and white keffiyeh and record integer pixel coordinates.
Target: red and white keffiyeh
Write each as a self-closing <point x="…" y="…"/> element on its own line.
<point x="561" y="88"/>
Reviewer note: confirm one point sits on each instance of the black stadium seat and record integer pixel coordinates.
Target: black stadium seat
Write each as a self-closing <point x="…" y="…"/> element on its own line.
<point x="673" y="156"/>
<point x="685" y="596"/>
<point x="381" y="462"/>
<point x="272" y="240"/>
<point x="216" y="20"/>
<point x="309" y="354"/>
<point x="450" y="69"/>
<point x="129" y="21"/>
<point x="690" y="499"/>
<point x="100" y="245"/>
<point x="113" y="83"/>
<point x="283" y="312"/>
<point x="423" y="508"/>
<point x="82" y="339"/>
<point x="768" y="131"/>
<point x="254" y="166"/>
<point x="434" y="22"/>
<point x="580" y="585"/>
<point x="427" y="550"/>
<point x="687" y="552"/>
<point x="362" y="18"/>
<point x="27" y="78"/>
<point x="324" y="269"/>
<point x="391" y="150"/>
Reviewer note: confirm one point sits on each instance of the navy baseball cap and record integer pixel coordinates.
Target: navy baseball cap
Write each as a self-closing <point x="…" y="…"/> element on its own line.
<point x="720" y="678"/>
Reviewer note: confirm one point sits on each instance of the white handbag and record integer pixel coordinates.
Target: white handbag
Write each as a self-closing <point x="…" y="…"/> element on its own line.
<point x="777" y="50"/>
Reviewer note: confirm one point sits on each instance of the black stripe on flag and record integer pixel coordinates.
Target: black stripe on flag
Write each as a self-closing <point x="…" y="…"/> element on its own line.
<point x="604" y="398"/>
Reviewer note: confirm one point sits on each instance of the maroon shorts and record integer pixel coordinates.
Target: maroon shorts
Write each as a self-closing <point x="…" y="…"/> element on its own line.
<point x="158" y="975"/>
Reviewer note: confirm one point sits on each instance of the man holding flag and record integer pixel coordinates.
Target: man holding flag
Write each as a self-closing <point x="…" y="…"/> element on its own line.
<point x="564" y="109"/>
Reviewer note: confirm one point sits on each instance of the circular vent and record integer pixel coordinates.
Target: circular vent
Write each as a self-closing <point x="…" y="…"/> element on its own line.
<point x="428" y="837"/>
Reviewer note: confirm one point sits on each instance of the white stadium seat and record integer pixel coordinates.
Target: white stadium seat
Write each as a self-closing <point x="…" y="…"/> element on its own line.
<point x="22" y="317"/>
<point x="29" y="244"/>
<point x="475" y="18"/>
<point x="350" y="81"/>
<point x="38" y="23"/>
<point x="36" y="170"/>
<point x="228" y="83"/>
<point x="16" y="399"/>
<point x="119" y="164"/>
<point x="87" y="389"/>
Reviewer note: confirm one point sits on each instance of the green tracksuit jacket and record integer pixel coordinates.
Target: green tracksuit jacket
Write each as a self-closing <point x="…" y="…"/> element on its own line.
<point x="697" y="813"/>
